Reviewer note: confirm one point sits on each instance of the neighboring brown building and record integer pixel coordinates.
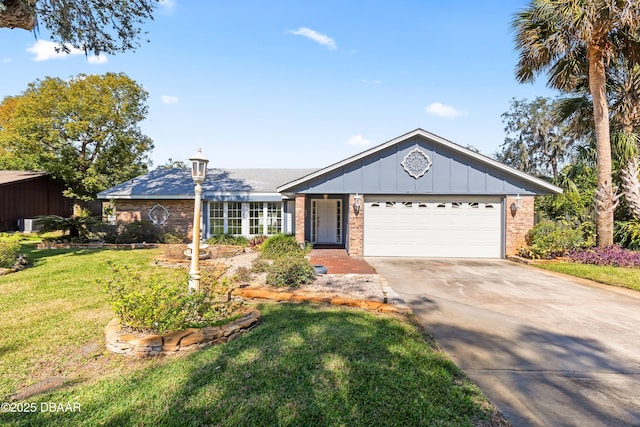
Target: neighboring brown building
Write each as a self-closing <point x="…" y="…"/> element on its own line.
<point x="26" y="195"/>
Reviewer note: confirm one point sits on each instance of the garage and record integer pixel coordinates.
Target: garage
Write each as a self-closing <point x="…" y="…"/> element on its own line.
<point x="418" y="195"/>
<point x="433" y="226"/>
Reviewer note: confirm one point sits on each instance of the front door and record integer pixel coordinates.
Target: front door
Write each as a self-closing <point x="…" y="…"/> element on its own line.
<point x="326" y="221"/>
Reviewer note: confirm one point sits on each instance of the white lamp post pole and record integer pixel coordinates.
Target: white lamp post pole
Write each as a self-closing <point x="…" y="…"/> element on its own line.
<point x="198" y="173"/>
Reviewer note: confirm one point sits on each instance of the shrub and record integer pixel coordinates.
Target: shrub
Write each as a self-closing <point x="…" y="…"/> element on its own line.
<point x="9" y="248"/>
<point x="79" y="228"/>
<point x="228" y="239"/>
<point x="549" y="239"/>
<point x="290" y="270"/>
<point x="627" y="234"/>
<point x="243" y="274"/>
<point x="280" y="245"/>
<point x="140" y="231"/>
<point x="155" y="305"/>
<point x="174" y="237"/>
<point x="260" y="265"/>
<point x="613" y="255"/>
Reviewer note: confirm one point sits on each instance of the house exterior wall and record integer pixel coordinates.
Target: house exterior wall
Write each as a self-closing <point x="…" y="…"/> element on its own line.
<point x="356" y="228"/>
<point x="517" y="225"/>
<point x="180" y="213"/>
<point x="451" y="172"/>
<point x="300" y="218"/>
<point x="31" y="198"/>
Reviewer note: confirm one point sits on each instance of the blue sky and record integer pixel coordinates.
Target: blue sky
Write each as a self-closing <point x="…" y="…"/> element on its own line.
<point x="305" y="83"/>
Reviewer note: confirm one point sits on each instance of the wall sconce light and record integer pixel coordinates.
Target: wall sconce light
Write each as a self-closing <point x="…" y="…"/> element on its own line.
<point x="356" y="203"/>
<point x="516" y="205"/>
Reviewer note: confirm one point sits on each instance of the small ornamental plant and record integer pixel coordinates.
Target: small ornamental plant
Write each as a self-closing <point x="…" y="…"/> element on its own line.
<point x="613" y="255"/>
<point x="290" y="270"/>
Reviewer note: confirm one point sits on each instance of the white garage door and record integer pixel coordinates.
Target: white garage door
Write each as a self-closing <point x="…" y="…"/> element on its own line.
<point x="433" y="226"/>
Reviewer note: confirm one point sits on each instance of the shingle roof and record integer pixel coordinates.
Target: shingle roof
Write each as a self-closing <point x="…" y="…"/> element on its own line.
<point x="177" y="183"/>
<point x="9" y="177"/>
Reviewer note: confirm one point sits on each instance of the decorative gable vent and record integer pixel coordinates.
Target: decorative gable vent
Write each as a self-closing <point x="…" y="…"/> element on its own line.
<point x="416" y="163"/>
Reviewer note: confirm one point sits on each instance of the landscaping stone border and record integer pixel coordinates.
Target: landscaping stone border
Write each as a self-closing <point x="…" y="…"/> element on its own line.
<point x="293" y="296"/>
<point x="146" y="345"/>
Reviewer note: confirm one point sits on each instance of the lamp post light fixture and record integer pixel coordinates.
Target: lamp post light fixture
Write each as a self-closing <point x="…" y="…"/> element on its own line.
<point x="198" y="173"/>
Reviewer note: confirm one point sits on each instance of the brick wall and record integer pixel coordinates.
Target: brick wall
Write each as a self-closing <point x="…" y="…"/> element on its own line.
<point x="300" y="210"/>
<point x="356" y="224"/>
<point x="518" y="224"/>
<point x="180" y="213"/>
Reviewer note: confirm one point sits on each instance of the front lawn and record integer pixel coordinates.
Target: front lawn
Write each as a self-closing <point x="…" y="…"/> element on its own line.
<point x="617" y="276"/>
<point x="303" y="365"/>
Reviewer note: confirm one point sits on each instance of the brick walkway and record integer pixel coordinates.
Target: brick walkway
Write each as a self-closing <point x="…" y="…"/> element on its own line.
<point x="338" y="261"/>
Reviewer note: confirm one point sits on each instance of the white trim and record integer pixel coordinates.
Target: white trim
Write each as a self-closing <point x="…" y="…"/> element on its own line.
<point x="420" y="132"/>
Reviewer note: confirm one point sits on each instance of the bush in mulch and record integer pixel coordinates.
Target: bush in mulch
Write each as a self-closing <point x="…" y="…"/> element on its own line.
<point x="613" y="255"/>
<point x="9" y="248"/>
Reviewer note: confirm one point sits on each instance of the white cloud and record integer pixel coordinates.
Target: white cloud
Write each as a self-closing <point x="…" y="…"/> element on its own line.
<point x="316" y="37"/>
<point x="359" y="140"/>
<point x="100" y="59"/>
<point x="167" y="5"/>
<point x="371" y="82"/>
<point x="167" y="99"/>
<point x="447" y="111"/>
<point x="45" y="50"/>
<point x="6" y="60"/>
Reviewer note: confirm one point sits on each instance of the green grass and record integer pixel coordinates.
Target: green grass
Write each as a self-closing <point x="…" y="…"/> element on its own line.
<point x="616" y="276"/>
<point x="303" y="365"/>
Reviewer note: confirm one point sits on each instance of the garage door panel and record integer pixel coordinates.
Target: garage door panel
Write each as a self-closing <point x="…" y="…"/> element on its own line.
<point x="432" y="227"/>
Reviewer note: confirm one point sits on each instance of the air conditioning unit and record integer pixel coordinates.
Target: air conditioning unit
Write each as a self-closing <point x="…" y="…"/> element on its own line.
<point x="28" y="225"/>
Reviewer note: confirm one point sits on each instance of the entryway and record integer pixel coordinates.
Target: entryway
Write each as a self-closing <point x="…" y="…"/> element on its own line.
<point x="338" y="261"/>
<point x="326" y="221"/>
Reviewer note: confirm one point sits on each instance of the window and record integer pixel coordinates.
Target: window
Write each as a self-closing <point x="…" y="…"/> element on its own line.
<point x="251" y="219"/>
<point x="216" y="218"/>
<point x="234" y="218"/>
<point x="274" y="217"/>
<point x="256" y="219"/>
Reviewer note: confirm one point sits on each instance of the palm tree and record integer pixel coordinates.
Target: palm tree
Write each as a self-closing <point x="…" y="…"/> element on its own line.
<point x="623" y="90"/>
<point x="552" y="36"/>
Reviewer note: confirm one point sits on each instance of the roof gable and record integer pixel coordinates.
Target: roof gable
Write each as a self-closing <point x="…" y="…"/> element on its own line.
<point x="452" y="169"/>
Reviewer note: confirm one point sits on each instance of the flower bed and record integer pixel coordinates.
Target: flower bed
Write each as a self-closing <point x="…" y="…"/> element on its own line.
<point x="613" y="255"/>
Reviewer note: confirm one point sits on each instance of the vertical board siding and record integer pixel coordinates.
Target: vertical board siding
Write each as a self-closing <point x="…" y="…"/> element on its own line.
<point x="451" y="172"/>
<point x="29" y="199"/>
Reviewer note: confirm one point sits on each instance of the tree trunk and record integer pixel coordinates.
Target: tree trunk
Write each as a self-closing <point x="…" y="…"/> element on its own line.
<point x="18" y="14"/>
<point x="631" y="186"/>
<point x="606" y="200"/>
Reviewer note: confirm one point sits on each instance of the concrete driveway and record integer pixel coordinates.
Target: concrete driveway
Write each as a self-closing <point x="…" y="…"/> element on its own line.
<point x="546" y="350"/>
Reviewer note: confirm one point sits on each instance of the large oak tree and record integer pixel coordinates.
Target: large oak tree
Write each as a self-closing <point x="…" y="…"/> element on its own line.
<point x="83" y="131"/>
<point x="94" y="26"/>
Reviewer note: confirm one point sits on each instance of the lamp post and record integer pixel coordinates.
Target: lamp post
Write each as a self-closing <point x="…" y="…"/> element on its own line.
<point x="198" y="173"/>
